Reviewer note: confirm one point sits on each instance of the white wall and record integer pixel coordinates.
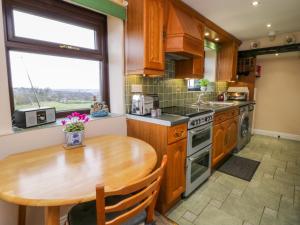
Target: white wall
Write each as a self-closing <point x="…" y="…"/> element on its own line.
<point x="265" y="42"/>
<point x="210" y="65"/>
<point x="277" y="96"/>
<point x="12" y="143"/>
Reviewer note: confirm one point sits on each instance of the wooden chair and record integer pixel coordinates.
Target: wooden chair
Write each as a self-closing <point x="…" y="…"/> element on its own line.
<point x="130" y="205"/>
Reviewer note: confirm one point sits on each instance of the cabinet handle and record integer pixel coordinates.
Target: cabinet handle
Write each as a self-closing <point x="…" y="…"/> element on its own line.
<point x="179" y="133"/>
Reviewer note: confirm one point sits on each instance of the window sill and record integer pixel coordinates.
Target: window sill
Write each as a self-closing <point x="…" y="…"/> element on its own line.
<point x="16" y="130"/>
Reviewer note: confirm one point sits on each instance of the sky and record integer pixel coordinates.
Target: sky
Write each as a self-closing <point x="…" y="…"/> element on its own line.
<point x="52" y="71"/>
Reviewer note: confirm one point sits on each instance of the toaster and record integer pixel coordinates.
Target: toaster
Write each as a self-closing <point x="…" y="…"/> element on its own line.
<point x="143" y="104"/>
<point x="26" y="118"/>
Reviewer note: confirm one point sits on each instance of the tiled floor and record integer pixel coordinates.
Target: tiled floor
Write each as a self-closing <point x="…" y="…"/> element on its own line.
<point x="271" y="198"/>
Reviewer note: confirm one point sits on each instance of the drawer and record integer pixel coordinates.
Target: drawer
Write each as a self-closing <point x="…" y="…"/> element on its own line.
<point x="177" y="133"/>
<point x="226" y="115"/>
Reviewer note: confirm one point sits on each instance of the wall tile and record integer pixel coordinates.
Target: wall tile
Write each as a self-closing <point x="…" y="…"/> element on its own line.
<point x="171" y="91"/>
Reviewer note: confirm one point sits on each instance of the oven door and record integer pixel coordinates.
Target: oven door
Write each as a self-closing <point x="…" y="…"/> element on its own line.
<point x="198" y="169"/>
<point x="199" y="138"/>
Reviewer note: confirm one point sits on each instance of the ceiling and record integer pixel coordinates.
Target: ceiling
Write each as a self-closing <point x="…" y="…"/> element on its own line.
<point x="245" y="21"/>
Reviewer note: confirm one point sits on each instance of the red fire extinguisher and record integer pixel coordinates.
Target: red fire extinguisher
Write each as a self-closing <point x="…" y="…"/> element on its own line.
<point x="258" y="71"/>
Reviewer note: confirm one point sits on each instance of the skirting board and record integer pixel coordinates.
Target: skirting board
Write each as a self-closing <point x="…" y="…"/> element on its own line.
<point x="276" y="134"/>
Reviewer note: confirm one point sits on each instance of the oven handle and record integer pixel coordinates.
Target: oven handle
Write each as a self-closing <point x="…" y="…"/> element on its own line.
<point x="192" y="159"/>
<point x="201" y="129"/>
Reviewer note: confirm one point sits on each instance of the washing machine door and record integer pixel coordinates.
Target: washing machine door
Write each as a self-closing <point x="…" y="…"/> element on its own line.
<point x="245" y="126"/>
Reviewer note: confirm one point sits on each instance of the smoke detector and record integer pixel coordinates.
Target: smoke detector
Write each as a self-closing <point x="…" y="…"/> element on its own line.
<point x="290" y="39"/>
<point x="254" y="44"/>
<point x="272" y="35"/>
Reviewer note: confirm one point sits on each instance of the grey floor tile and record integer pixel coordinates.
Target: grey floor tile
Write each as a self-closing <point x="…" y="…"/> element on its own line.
<point x="275" y="186"/>
<point x="182" y="221"/>
<point x="216" y="191"/>
<point x="189" y="216"/>
<point x="289" y="215"/>
<point x="260" y="196"/>
<point x="243" y="209"/>
<point x="196" y="203"/>
<point x="231" y="182"/>
<point x="213" y="216"/>
<point x="216" y="203"/>
<point x="271" y="198"/>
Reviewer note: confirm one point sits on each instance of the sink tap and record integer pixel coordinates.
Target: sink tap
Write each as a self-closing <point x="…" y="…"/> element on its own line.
<point x="200" y="99"/>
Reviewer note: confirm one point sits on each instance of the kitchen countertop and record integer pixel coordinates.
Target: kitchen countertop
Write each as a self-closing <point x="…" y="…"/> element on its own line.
<point x="172" y="119"/>
<point x="218" y="107"/>
<point x="242" y="103"/>
<point x="164" y="119"/>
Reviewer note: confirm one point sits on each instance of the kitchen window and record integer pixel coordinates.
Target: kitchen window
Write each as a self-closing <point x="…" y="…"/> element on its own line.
<point x="57" y="55"/>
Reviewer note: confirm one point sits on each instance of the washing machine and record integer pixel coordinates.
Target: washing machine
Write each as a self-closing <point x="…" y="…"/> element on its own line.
<point x="244" y="132"/>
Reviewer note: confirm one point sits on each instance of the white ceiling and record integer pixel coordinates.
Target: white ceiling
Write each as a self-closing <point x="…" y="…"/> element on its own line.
<point x="245" y="21"/>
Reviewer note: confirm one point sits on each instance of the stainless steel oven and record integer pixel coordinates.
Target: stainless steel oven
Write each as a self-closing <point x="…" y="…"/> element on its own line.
<point x="199" y="138"/>
<point x="198" y="169"/>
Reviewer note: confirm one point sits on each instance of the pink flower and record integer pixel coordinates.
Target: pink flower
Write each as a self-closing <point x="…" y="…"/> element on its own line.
<point x="69" y="117"/>
<point x="75" y="114"/>
<point x="86" y="120"/>
<point x="63" y="122"/>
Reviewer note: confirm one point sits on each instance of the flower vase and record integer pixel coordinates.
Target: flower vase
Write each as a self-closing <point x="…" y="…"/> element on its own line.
<point x="73" y="139"/>
<point x="203" y="88"/>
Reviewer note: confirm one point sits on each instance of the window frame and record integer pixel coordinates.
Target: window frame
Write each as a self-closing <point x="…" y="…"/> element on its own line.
<point x="63" y="12"/>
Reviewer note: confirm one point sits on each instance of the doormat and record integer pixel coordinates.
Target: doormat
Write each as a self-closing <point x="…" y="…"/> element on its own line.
<point x="239" y="167"/>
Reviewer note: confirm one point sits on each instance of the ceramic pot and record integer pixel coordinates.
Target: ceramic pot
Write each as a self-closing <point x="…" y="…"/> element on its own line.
<point x="74" y="138"/>
<point x="203" y="88"/>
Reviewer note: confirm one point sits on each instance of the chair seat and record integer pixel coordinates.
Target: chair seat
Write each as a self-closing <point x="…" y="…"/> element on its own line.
<point x="85" y="214"/>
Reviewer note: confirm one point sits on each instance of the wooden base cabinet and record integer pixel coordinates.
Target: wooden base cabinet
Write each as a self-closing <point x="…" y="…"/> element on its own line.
<point x="225" y="134"/>
<point x="218" y="143"/>
<point x="176" y="177"/>
<point x="173" y="142"/>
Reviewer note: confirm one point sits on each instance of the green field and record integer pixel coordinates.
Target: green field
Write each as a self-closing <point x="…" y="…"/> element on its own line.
<point x="75" y="105"/>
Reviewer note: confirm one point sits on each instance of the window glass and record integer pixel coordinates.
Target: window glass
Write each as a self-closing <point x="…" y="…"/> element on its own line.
<point x="62" y="82"/>
<point x="43" y="29"/>
<point x="193" y="85"/>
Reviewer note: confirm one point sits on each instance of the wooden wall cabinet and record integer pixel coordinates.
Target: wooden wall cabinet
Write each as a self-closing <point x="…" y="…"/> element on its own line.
<point x="144" y="37"/>
<point x="191" y="68"/>
<point x="225" y="134"/>
<point x="227" y="61"/>
<point x="173" y="142"/>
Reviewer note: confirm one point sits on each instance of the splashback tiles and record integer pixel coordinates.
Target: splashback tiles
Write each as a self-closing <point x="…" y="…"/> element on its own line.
<point x="171" y="91"/>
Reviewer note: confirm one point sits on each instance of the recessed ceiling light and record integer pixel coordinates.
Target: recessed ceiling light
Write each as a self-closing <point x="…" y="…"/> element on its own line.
<point x="255" y="3"/>
<point x="206" y="34"/>
<point x="277" y="54"/>
<point x="217" y="39"/>
<point x="269" y="25"/>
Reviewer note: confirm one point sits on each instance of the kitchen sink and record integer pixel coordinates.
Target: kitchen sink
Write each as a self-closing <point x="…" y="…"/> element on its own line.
<point x="222" y="103"/>
<point x="213" y="105"/>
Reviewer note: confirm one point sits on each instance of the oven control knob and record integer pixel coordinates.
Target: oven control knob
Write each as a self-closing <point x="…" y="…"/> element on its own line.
<point x="193" y="123"/>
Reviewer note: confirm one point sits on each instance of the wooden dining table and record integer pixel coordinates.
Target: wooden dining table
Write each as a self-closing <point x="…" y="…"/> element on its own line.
<point x="53" y="177"/>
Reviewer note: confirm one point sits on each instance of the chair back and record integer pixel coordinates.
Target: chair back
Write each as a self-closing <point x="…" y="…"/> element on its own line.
<point x="137" y="197"/>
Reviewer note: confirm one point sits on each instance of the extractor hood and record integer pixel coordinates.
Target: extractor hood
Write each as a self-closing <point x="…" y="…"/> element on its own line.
<point x="184" y="34"/>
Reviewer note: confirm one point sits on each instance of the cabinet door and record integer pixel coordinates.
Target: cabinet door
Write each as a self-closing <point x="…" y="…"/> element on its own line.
<point x="175" y="173"/>
<point x="153" y="37"/>
<point x="231" y="134"/>
<point x="227" y="61"/>
<point x="218" y="143"/>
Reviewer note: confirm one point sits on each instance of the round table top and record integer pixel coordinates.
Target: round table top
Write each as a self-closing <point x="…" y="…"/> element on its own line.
<point x="54" y="176"/>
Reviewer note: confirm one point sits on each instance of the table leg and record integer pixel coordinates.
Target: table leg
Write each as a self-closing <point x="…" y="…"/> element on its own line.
<point x="52" y="214"/>
<point x="22" y="215"/>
